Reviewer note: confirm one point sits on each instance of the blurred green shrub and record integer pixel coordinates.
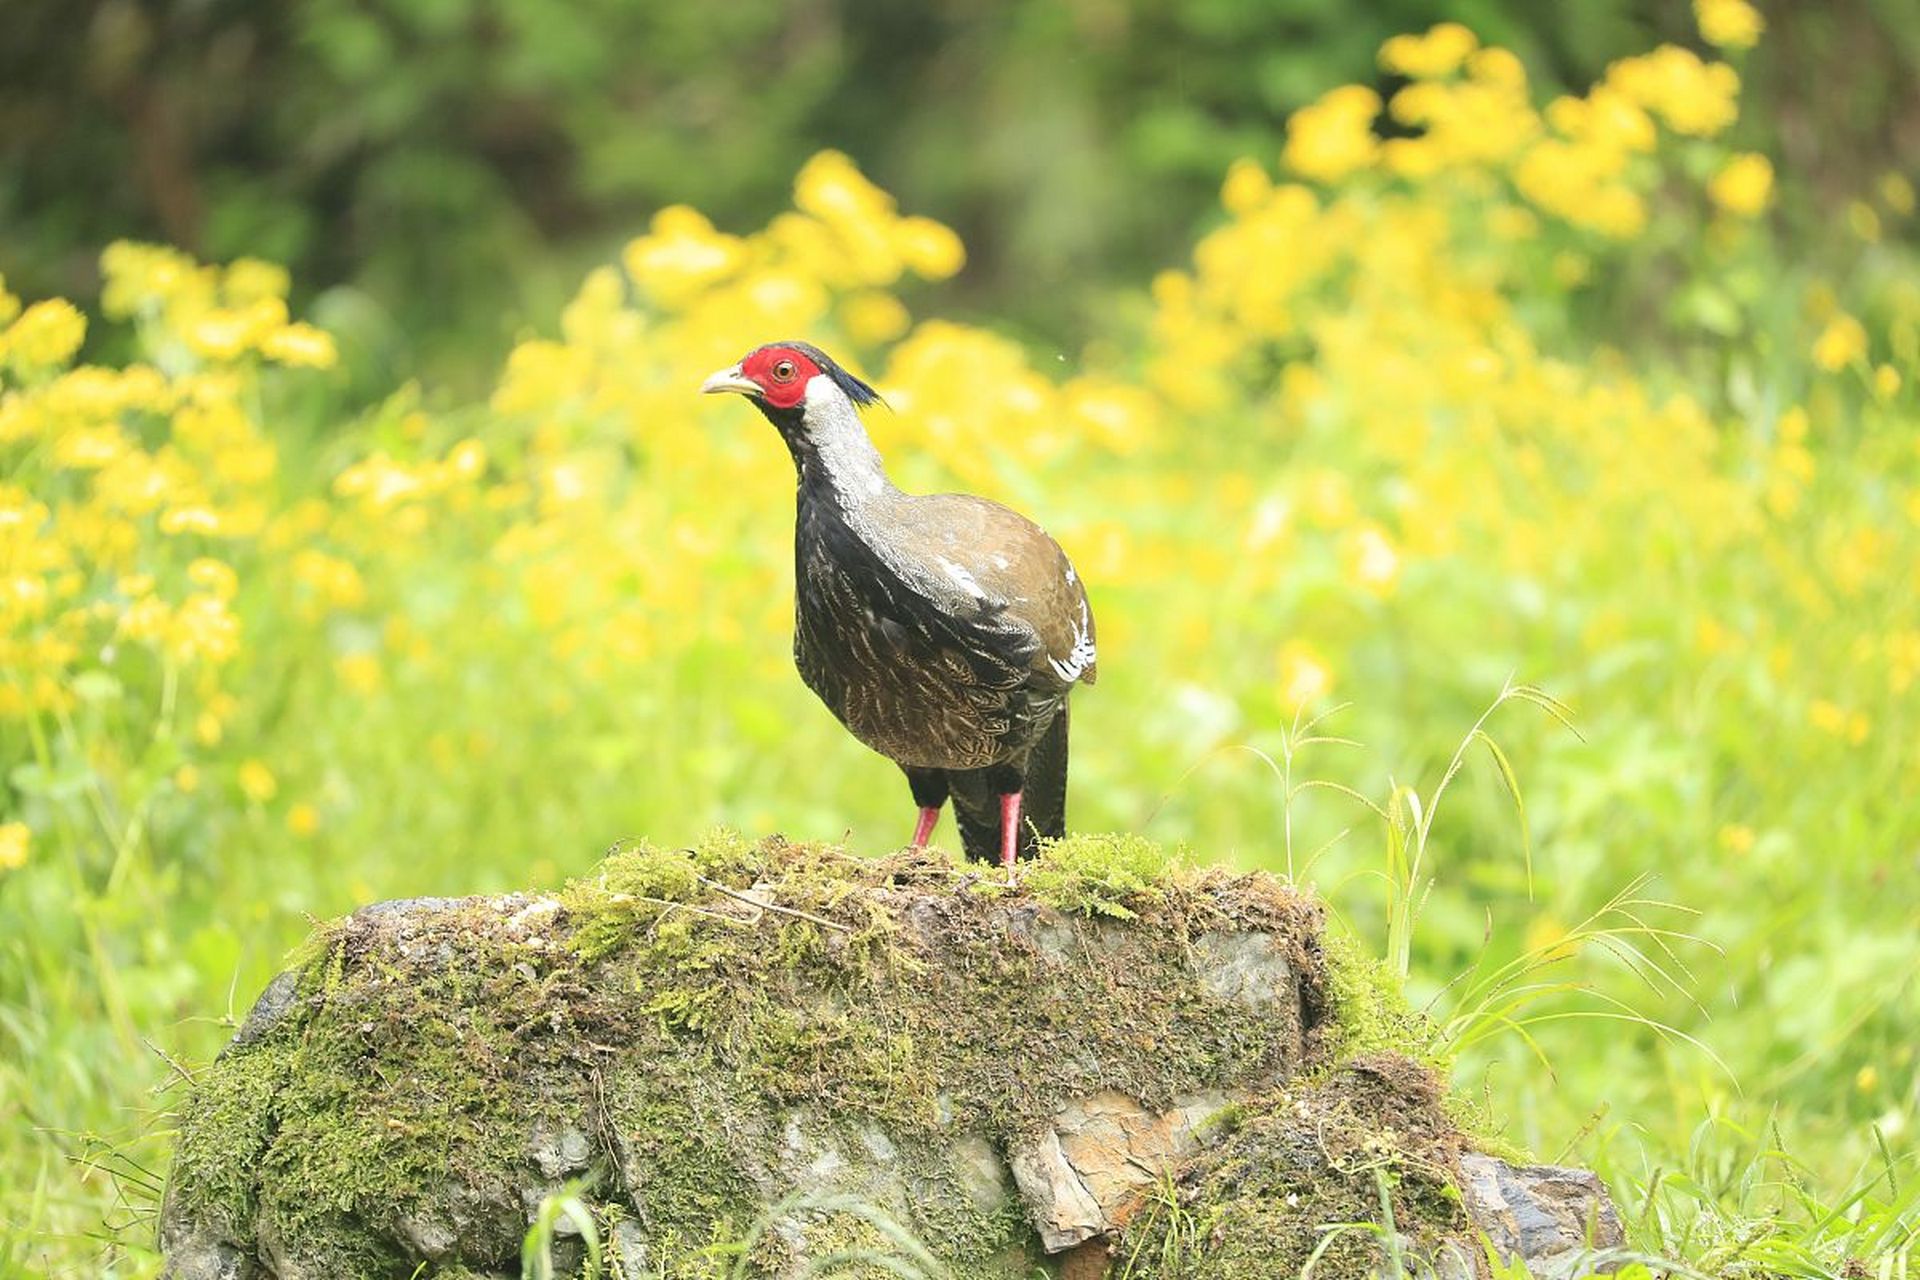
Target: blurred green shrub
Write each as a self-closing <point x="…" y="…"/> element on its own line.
<point x="460" y="161"/>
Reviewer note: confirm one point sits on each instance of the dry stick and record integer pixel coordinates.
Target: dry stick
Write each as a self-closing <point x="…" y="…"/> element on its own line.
<point x="774" y="906"/>
<point x="185" y="1075"/>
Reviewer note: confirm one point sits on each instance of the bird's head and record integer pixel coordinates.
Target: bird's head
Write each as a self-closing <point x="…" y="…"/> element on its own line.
<point x="791" y="378"/>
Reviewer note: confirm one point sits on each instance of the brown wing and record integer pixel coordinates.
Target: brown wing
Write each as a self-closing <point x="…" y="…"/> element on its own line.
<point x="975" y="558"/>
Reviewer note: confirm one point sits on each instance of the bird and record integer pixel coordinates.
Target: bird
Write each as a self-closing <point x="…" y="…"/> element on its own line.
<point x="945" y="631"/>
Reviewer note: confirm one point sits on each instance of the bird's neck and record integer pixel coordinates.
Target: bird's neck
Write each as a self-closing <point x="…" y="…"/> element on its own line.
<point x="833" y="458"/>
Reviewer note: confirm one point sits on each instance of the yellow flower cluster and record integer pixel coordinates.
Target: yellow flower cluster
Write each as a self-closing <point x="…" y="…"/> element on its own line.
<point x="135" y="485"/>
<point x="1341" y="394"/>
<point x="1471" y="117"/>
<point x="1730" y="24"/>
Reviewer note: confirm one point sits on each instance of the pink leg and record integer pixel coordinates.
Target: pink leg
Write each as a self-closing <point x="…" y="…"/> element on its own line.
<point x="1009" y="829"/>
<point x="929" y="818"/>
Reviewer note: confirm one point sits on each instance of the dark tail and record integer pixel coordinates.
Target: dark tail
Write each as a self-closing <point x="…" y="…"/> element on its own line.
<point x="976" y="797"/>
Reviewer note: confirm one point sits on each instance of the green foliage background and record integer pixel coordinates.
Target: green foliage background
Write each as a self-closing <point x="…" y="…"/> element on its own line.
<point x="1663" y="506"/>
<point x="458" y="163"/>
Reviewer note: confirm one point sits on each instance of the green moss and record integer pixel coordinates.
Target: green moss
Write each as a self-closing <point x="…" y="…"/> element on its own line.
<point x="730" y="1021"/>
<point x="1102" y="875"/>
<point x="1367" y="1009"/>
<point x="1369" y="1145"/>
<point x="232" y="1123"/>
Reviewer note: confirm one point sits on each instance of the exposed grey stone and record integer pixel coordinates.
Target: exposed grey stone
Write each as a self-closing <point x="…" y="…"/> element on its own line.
<point x="1247" y="967"/>
<point x="280" y="996"/>
<point x="197" y="1249"/>
<point x="1543" y="1214"/>
<point x="558" y="1152"/>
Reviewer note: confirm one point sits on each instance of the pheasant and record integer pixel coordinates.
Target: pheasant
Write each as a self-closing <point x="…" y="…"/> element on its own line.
<point x="943" y="630"/>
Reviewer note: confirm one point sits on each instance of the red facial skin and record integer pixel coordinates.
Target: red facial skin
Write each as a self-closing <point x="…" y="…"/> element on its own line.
<point x="781" y="374"/>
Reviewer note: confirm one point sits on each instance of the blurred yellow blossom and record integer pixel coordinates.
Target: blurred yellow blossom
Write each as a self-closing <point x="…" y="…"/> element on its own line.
<point x="300" y="345"/>
<point x="1840" y="344"/>
<point x="873" y="317"/>
<point x="1693" y="97"/>
<point x="360" y="672"/>
<point x="1427" y="57"/>
<point x="1737" y="838"/>
<point x="15" y="842"/>
<point x="45" y="335"/>
<point x="681" y="254"/>
<point x="302" y="819"/>
<point x="216" y="576"/>
<point x="248" y="280"/>
<point x="1375" y="562"/>
<point x="1331" y="138"/>
<point x="1246" y="186"/>
<point x="1731" y="24"/>
<point x="1302" y="676"/>
<point x="1743" y="185"/>
<point x="257" y="782"/>
<point x="186" y="779"/>
<point x="930" y="249"/>
<point x="1897" y="190"/>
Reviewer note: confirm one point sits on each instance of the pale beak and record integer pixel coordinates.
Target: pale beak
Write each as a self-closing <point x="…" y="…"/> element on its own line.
<point x="730" y="380"/>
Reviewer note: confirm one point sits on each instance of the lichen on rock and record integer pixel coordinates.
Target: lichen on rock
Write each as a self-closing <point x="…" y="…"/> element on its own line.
<point x="771" y="1049"/>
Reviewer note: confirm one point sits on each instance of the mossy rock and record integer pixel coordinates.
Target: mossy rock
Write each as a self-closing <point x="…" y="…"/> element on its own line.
<point x="779" y="1059"/>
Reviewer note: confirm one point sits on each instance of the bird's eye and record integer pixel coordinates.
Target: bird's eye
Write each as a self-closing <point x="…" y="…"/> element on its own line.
<point x="783" y="371"/>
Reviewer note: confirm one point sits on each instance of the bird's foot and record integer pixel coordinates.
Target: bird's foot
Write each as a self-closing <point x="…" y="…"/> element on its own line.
<point x="923" y="829"/>
<point x="1009" y="831"/>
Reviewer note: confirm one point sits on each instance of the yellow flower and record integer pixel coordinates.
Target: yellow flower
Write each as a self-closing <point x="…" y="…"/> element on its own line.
<point x="1694" y="97"/>
<point x="45" y="336"/>
<point x="248" y="280"/>
<point x="303" y="819"/>
<point x="1744" y="184"/>
<point x="1374" y="561"/>
<point x="1547" y="938"/>
<point x="300" y="346"/>
<point x="216" y="576"/>
<point x="930" y="249"/>
<point x="1431" y="56"/>
<point x="872" y="318"/>
<point x="1246" y="188"/>
<point x="1333" y="137"/>
<point x="467" y="460"/>
<point x="186" y="779"/>
<point x="190" y="519"/>
<point x="1737" y="838"/>
<point x="1841" y="343"/>
<point x="1730" y="24"/>
<point x="1886" y="382"/>
<point x="1897" y="191"/>
<point x="257" y="782"/>
<point x="1303" y="677"/>
<point x="202" y="628"/>
<point x="360" y="672"/>
<point x="15" y="840"/>
<point x="681" y="255"/>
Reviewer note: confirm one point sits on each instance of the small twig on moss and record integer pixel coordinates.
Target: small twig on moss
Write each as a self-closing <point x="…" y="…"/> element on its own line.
<point x="735" y="894"/>
<point x="185" y="1075"/>
<point x="667" y="904"/>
